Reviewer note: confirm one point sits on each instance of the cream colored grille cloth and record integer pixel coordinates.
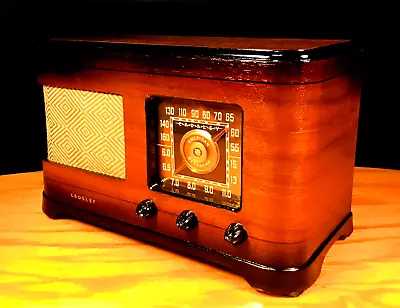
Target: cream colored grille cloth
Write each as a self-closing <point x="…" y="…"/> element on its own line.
<point x="85" y="130"/>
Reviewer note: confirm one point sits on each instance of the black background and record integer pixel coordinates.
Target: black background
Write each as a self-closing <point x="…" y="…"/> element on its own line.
<point x="22" y="122"/>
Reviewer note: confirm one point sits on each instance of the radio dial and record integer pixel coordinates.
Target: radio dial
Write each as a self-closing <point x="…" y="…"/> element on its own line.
<point x="195" y="150"/>
<point x="199" y="151"/>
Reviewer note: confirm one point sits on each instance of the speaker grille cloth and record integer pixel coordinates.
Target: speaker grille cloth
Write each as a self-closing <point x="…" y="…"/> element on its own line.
<point x="85" y="130"/>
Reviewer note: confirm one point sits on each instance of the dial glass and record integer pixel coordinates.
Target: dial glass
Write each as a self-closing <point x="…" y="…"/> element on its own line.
<point x="195" y="150"/>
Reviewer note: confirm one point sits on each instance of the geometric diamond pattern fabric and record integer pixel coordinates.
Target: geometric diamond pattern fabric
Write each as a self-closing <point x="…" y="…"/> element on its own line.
<point x="85" y="130"/>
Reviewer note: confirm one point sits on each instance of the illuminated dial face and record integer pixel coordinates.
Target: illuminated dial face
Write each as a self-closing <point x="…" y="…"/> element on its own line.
<point x="195" y="150"/>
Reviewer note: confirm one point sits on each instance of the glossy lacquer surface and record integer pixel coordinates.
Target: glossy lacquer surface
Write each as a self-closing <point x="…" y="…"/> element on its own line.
<point x="304" y="134"/>
<point x="64" y="263"/>
<point x="297" y="150"/>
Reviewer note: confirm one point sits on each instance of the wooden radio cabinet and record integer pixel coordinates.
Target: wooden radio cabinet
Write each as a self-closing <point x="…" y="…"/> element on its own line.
<point x="236" y="151"/>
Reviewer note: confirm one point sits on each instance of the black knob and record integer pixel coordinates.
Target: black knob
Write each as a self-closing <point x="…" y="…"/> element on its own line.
<point x="186" y="220"/>
<point x="146" y="209"/>
<point x="235" y="234"/>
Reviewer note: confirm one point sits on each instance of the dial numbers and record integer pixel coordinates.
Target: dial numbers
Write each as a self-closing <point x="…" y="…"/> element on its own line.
<point x="197" y="150"/>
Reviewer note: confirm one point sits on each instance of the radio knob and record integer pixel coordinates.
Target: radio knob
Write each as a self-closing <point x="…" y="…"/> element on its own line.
<point x="235" y="234"/>
<point x="187" y="220"/>
<point x="146" y="209"/>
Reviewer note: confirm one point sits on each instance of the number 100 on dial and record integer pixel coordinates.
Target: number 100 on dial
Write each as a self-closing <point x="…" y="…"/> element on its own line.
<point x="195" y="150"/>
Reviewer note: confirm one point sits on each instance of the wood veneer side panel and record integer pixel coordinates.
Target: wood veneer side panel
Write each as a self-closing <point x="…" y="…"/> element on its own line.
<point x="294" y="145"/>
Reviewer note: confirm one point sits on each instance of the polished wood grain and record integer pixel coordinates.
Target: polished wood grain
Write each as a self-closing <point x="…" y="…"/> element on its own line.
<point x="284" y="61"/>
<point x="299" y="145"/>
<point x="64" y="263"/>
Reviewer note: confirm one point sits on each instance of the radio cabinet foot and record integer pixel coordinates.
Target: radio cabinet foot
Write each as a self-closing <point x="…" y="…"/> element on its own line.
<point x="53" y="210"/>
<point x="290" y="282"/>
<point x="344" y="236"/>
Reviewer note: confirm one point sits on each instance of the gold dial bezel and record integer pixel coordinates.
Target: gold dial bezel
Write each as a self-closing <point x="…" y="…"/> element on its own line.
<point x="201" y="140"/>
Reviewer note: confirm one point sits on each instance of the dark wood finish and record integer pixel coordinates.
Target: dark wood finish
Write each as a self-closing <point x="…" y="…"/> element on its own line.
<point x="211" y="42"/>
<point x="299" y="146"/>
<point x="269" y="64"/>
<point x="274" y="281"/>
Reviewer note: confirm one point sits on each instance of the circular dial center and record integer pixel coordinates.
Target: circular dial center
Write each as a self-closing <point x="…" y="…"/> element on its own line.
<point x="199" y="151"/>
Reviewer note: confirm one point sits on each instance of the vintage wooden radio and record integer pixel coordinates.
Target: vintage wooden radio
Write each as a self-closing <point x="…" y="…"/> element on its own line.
<point x="236" y="151"/>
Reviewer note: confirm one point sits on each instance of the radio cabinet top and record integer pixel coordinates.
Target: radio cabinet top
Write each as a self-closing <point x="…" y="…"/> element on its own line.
<point x="286" y="61"/>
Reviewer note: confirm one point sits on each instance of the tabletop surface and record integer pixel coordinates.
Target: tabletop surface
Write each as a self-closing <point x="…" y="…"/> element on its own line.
<point x="65" y="263"/>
